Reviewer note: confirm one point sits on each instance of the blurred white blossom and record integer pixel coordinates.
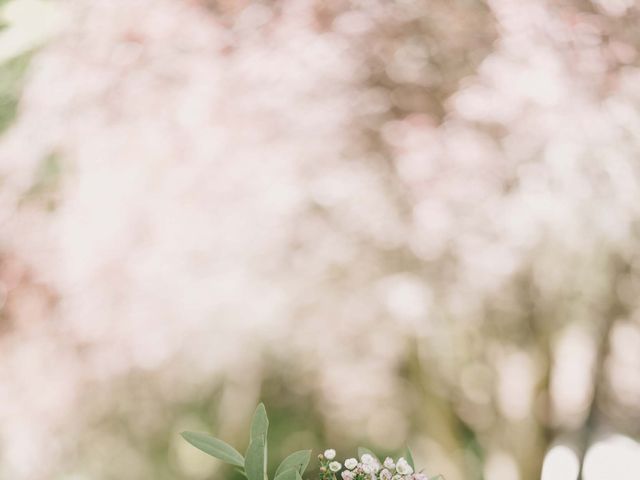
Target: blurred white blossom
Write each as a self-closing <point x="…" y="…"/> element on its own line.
<point x="373" y="187"/>
<point x="403" y="467"/>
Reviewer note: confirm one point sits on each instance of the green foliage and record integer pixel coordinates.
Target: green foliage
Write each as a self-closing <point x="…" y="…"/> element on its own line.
<point x="214" y="447"/>
<point x="254" y="465"/>
<point x="256" y="461"/>
<point x="259" y="423"/>
<point x="289" y="474"/>
<point x="12" y="74"/>
<point x="297" y="461"/>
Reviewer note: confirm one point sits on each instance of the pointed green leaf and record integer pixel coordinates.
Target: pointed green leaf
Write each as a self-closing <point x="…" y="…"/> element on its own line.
<point x="259" y="422"/>
<point x="297" y="460"/>
<point x="288" y="474"/>
<point x="214" y="447"/>
<point x="298" y="476"/>
<point x="255" y="463"/>
<point x="409" y="458"/>
<point x="363" y="450"/>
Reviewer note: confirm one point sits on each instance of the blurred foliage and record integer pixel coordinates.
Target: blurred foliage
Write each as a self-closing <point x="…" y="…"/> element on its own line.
<point x="12" y="73"/>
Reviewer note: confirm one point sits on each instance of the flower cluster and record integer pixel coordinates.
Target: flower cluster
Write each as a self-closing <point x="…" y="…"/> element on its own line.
<point x="367" y="468"/>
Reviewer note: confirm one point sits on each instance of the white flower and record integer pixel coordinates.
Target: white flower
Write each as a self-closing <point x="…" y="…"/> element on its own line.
<point x="330" y="454"/>
<point x="388" y="463"/>
<point x="335" y="466"/>
<point x="403" y="468"/>
<point x="368" y="459"/>
<point x="351" y="463"/>
<point x="366" y="468"/>
<point x="371" y="462"/>
<point x="385" y="475"/>
<point x="397" y="477"/>
<point x="347" y="475"/>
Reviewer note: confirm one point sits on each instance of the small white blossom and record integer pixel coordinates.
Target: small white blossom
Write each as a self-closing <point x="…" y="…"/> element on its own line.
<point x="366" y="468"/>
<point x="403" y="468"/>
<point x="389" y="463"/>
<point x="397" y="477"/>
<point x="330" y="454"/>
<point x="385" y="474"/>
<point x="347" y="475"/>
<point x="351" y="463"/>
<point x="335" y="466"/>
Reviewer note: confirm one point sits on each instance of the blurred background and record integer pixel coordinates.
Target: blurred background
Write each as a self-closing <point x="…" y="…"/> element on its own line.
<point x="393" y="221"/>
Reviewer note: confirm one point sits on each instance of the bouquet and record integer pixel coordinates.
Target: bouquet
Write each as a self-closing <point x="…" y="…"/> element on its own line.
<point x="254" y="464"/>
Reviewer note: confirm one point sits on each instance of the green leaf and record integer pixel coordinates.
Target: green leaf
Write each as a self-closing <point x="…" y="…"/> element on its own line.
<point x="409" y="458"/>
<point x="241" y="472"/>
<point x="259" y="423"/>
<point x="298" y="476"/>
<point x="362" y="451"/>
<point x="214" y="447"/>
<point x="288" y="474"/>
<point x="256" y="462"/>
<point x="297" y="460"/>
<point x="256" y="468"/>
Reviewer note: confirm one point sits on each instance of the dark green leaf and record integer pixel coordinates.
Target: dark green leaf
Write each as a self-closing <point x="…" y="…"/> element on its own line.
<point x="214" y="447"/>
<point x="297" y="460"/>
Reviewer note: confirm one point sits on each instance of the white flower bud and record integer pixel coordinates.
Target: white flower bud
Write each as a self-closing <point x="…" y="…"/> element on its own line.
<point x="351" y="463"/>
<point x="366" y="468"/>
<point x="330" y="454"/>
<point x="335" y="466"/>
<point x="389" y="463"/>
<point x="403" y="468"/>
<point x="347" y="475"/>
